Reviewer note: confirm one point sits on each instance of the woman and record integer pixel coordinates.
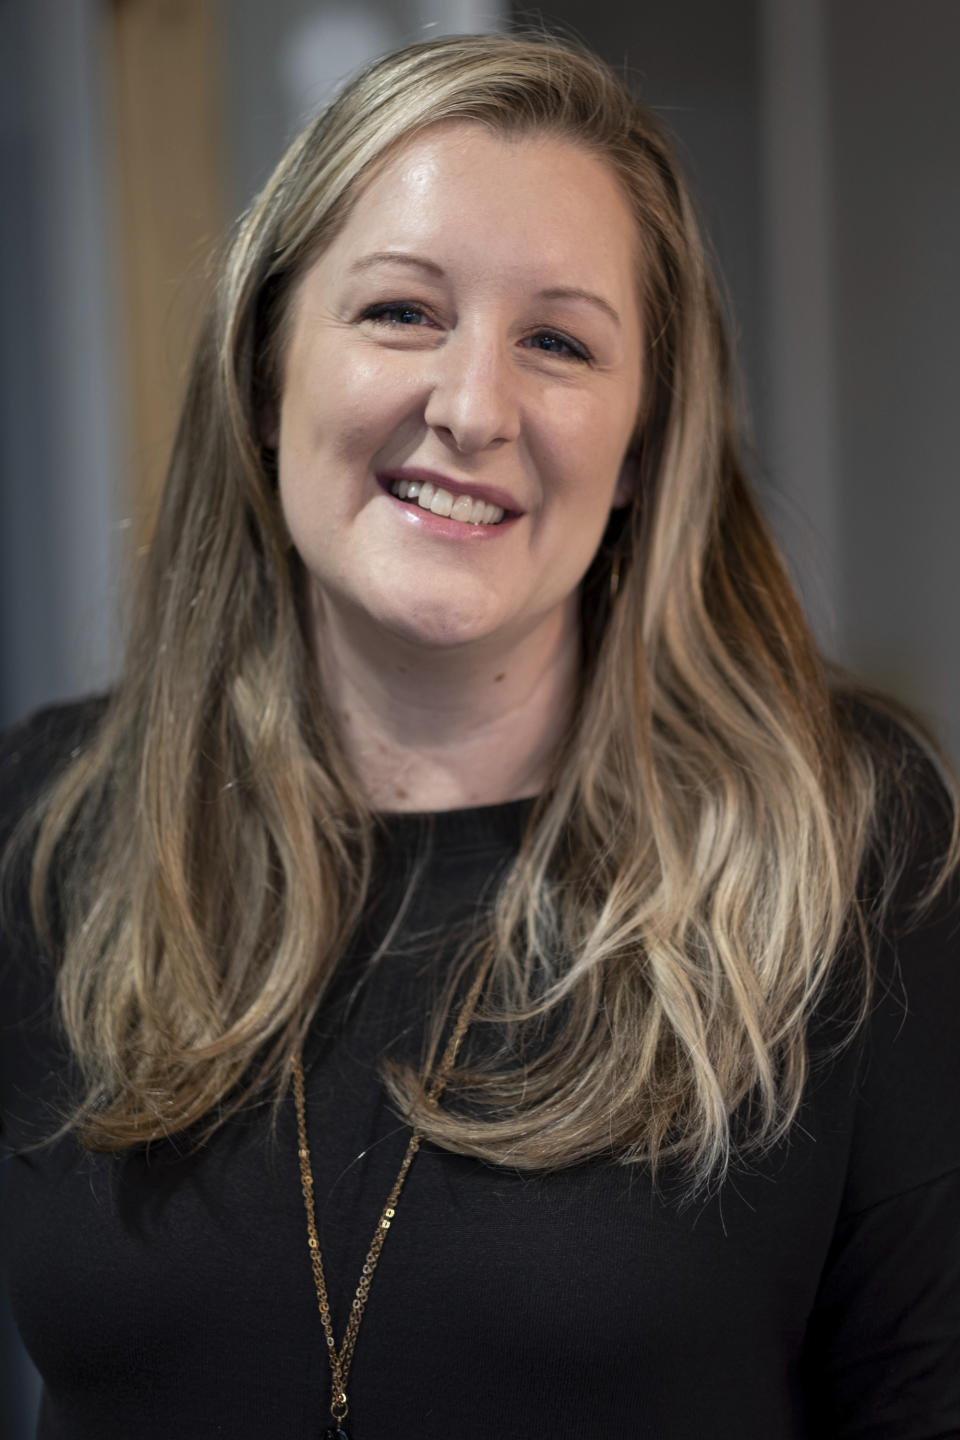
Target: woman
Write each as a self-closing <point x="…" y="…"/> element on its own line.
<point x="473" y="779"/>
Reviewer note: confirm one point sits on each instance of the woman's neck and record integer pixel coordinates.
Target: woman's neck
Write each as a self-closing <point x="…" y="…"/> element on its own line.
<point x="443" y="729"/>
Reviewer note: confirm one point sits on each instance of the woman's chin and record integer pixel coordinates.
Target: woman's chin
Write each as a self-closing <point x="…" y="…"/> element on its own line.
<point x="440" y="626"/>
<point x="432" y="619"/>
<point x="435" y="613"/>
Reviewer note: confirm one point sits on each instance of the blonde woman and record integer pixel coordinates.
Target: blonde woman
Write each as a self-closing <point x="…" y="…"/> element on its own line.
<point x="477" y="974"/>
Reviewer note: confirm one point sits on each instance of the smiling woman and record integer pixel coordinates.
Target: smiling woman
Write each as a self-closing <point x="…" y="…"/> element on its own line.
<point x="441" y="342"/>
<point x="477" y="855"/>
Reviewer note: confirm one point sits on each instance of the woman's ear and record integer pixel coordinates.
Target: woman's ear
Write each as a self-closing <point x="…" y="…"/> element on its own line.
<point x="628" y="481"/>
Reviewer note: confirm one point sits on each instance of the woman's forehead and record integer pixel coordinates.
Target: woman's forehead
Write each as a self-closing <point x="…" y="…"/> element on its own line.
<point x="459" y="196"/>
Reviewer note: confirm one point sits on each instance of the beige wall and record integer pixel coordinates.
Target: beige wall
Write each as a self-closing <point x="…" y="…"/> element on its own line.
<point x="162" y="61"/>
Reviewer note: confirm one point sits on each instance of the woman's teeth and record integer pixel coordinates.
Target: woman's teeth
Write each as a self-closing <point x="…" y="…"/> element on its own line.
<point x="440" y="502"/>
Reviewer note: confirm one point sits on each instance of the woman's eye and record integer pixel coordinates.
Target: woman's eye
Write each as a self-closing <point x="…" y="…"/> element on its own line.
<point x="395" y="314"/>
<point x="554" y="344"/>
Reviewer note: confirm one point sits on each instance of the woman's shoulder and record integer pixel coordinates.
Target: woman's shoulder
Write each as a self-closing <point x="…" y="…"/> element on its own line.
<point x="914" y="834"/>
<point x="900" y="742"/>
<point x="907" y="1132"/>
<point x="36" y="749"/>
<point x="32" y="754"/>
<point x="881" y="1338"/>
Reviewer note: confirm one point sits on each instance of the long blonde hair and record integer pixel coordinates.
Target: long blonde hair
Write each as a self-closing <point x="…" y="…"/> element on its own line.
<point x="688" y="875"/>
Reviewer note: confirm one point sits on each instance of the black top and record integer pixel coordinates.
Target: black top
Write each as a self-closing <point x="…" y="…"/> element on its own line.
<point x="170" y="1294"/>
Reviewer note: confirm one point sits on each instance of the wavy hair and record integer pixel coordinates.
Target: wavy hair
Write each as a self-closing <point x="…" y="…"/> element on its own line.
<point x="690" y="871"/>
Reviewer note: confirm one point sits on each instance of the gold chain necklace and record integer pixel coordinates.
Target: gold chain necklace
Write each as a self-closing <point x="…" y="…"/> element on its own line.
<point x="340" y="1359"/>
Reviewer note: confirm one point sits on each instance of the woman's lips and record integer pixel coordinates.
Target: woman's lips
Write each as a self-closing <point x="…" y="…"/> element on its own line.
<point x="472" y="512"/>
<point x="445" y="526"/>
<point x="466" y="509"/>
<point x="489" y="494"/>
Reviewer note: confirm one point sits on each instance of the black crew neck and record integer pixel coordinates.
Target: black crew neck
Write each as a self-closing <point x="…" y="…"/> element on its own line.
<point x="474" y="827"/>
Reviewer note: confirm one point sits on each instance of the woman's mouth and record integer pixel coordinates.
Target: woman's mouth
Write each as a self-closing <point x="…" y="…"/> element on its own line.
<point x="465" y="508"/>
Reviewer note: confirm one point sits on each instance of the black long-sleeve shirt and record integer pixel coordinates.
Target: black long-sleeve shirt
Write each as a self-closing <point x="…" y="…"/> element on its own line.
<point x="169" y="1292"/>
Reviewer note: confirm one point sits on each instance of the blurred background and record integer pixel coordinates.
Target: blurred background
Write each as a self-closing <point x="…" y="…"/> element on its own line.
<point x="822" y="136"/>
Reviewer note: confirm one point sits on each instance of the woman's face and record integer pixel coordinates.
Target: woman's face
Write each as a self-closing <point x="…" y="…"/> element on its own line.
<point x="474" y="327"/>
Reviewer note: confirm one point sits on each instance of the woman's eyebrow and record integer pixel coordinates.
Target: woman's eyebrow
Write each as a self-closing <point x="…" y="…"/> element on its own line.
<point x="395" y="257"/>
<point x="568" y="292"/>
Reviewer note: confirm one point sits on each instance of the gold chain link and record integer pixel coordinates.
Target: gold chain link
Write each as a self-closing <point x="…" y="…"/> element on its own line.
<point x="340" y="1359"/>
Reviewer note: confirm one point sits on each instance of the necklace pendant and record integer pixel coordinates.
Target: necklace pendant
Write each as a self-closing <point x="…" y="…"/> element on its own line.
<point x="334" y="1432"/>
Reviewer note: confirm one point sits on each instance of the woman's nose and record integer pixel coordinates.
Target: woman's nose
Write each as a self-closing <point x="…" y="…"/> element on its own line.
<point x="473" y="400"/>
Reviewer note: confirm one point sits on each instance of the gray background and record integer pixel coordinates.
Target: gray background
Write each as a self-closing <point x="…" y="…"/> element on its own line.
<point x="824" y="140"/>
